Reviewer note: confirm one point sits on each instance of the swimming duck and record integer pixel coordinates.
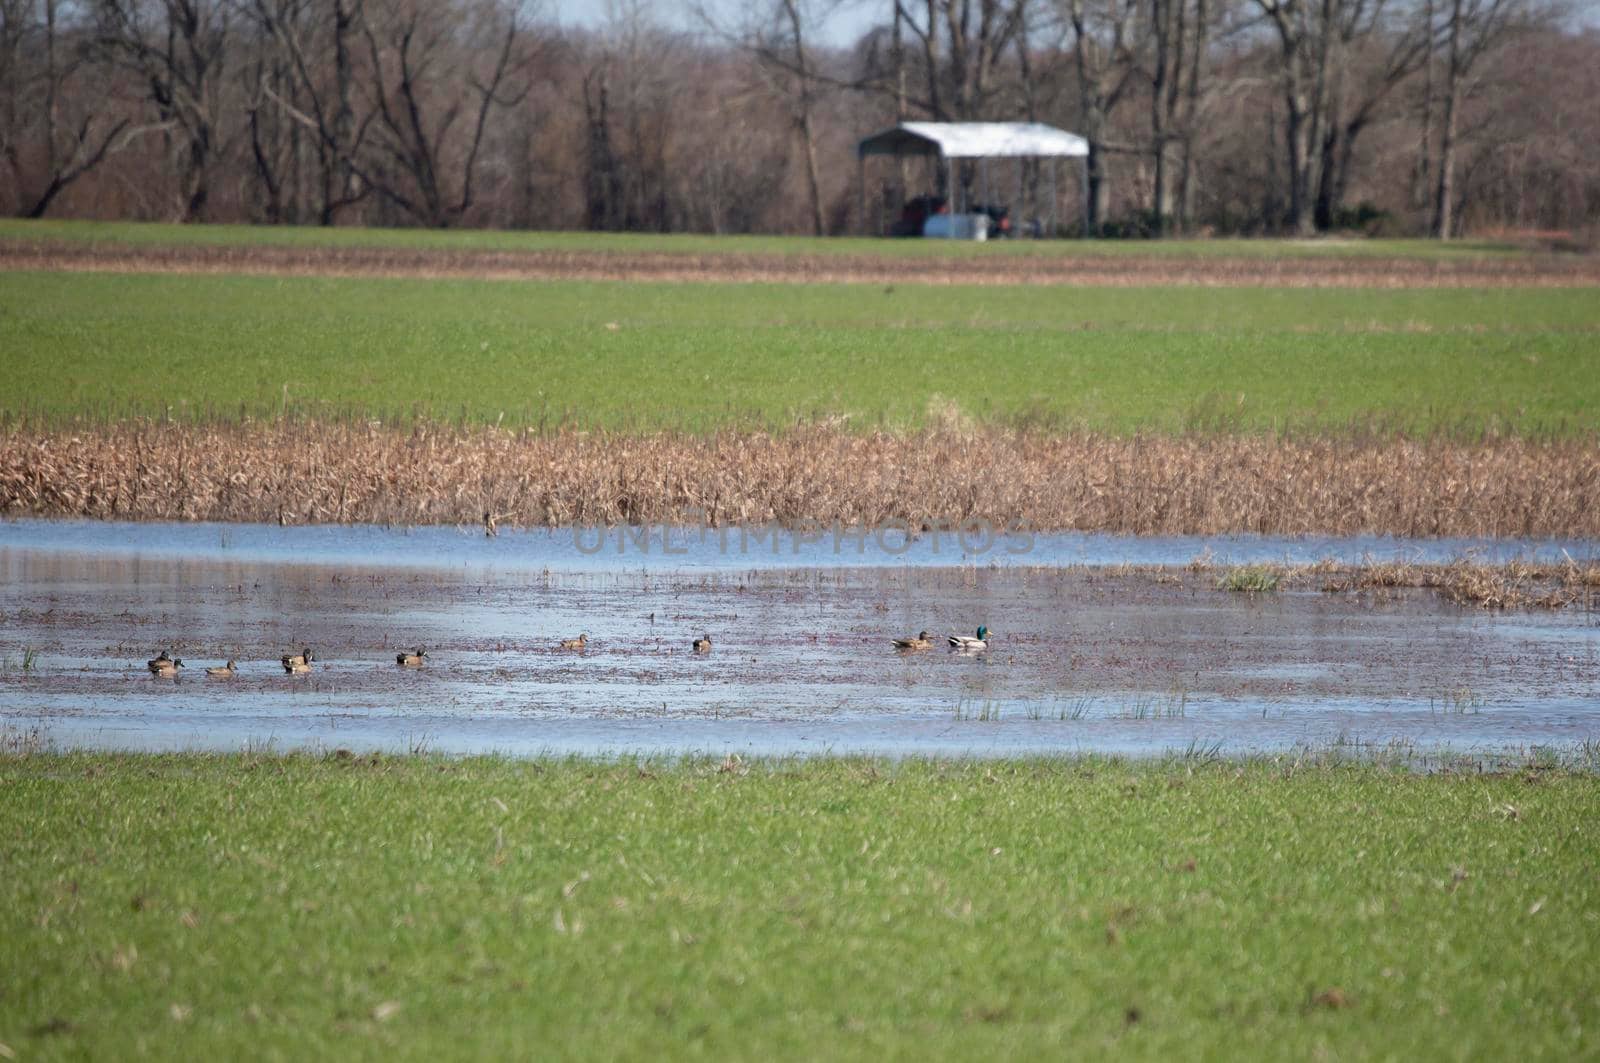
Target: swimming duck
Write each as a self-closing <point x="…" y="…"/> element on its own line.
<point x="412" y="659"/>
<point x="921" y="642"/>
<point x="159" y="661"/>
<point x="967" y="642"/>
<point x="166" y="668"/>
<point x="303" y="657"/>
<point x="225" y="672"/>
<point x="703" y="644"/>
<point x="576" y="644"/>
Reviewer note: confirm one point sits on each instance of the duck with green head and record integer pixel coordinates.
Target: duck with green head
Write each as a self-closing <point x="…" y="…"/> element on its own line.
<point x="968" y="642"/>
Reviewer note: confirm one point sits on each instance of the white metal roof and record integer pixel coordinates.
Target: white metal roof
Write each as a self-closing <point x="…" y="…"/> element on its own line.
<point x="974" y="140"/>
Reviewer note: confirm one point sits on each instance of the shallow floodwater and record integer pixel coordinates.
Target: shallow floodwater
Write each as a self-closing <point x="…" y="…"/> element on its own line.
<point x="1085" y="658"/>
<point x="735" y="548"/>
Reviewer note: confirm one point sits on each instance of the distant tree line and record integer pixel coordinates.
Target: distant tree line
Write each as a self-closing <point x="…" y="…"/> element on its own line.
<point x="1202" y="116"/>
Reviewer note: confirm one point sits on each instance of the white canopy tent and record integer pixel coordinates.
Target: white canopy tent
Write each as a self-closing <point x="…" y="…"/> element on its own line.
<point x="947" y="141"/>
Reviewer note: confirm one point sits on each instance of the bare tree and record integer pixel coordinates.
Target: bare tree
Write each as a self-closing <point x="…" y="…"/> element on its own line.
<point x="55" y="129"/>
<point x="777" y="40"/>
<point x="1375" y="46"/>
<point x="1179" y="34"/>
<point x="267" y="76"/>
<point x="960" y="54"/>
<point x="1236" y="115"/>
<point x="1338" y="60"/>
<point x="1471" y="29"/>
<point x="603" y="179"/>
<point x="1304" y="47"/>
<point x="317" y="44"/>
<point x="179" y="49"/>
<point x="417" y="105"/>
<point x="1106" y="41"/>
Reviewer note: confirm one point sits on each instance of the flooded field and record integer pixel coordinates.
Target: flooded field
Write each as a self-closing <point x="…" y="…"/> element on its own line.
<point x="1086" y="656"/>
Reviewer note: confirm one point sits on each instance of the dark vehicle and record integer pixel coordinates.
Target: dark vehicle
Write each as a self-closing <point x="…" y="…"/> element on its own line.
<point x="916" y="212"/>
<point x="999" y="219"/>
<point x="914" y="215"/>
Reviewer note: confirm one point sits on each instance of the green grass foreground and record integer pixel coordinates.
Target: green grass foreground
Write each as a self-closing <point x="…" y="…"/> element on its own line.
<point x="169" y="235"/>
<point x="698" y="357"/>
<point x="211" y="907"/>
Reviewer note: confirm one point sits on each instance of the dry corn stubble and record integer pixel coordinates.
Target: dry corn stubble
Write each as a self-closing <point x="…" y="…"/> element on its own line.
<point x="310" y="472"/>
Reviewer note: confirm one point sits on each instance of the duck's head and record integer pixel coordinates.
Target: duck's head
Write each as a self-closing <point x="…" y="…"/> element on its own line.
<point x="177" y="662"/>
<point x="923" y="637"/>
<point x="983" y="633"/>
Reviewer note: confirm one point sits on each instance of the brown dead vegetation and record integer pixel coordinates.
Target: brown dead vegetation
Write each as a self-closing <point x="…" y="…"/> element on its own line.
<point x="309" y="472"/>
<point x="1043" y="269"/>
<point x="1511" y="585"/>
<point x="1514" y="585"/>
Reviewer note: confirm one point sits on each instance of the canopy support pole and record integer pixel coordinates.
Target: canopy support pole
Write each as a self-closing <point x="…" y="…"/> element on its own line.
<point x="952" y="196"/>
<point x="861" y="193"/>
<point x="1083" y="185"/>
<point x="1053" y="198"/>
<point x="1020" y="210"/>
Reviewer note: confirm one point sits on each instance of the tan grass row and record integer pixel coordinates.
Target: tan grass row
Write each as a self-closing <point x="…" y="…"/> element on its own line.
<point x="1333" y="271"/>
<point x="299" y="472"/>
<point x="1514" y="585"/>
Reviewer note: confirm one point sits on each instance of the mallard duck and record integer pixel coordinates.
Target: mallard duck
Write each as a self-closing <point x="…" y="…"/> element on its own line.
<point x="225" y="672"/>
<point x="296" y="667"/>
<point x="702" y="644"/>
<point x="576" y="644"/>
<point x="303" y="657"/>
<point x="921" y="642"/>
<point x="967" y="642"/>
<point x="412" y="659"/>
<point x="167" y="668"/>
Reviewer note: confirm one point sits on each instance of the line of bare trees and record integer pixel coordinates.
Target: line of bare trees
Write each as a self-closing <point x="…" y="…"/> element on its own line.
<point x="1293" y="116"/>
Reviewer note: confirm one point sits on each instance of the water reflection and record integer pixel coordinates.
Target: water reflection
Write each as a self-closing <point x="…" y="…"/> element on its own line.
<point x="1082" y="659"/>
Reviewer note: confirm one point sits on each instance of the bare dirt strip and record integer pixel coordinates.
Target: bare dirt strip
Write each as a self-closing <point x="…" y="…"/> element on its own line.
<point x="1097" y="270"/>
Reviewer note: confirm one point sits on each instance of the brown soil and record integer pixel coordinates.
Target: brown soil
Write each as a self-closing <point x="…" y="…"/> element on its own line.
<point x="306" y="472"/>
<point x="1088" y="270"/>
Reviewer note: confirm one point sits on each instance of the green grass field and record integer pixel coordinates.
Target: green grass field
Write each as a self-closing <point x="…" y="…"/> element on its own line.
<point x="148" y="234"/>
<point x="213" y="907"/>
<point x="702" y="356"/>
